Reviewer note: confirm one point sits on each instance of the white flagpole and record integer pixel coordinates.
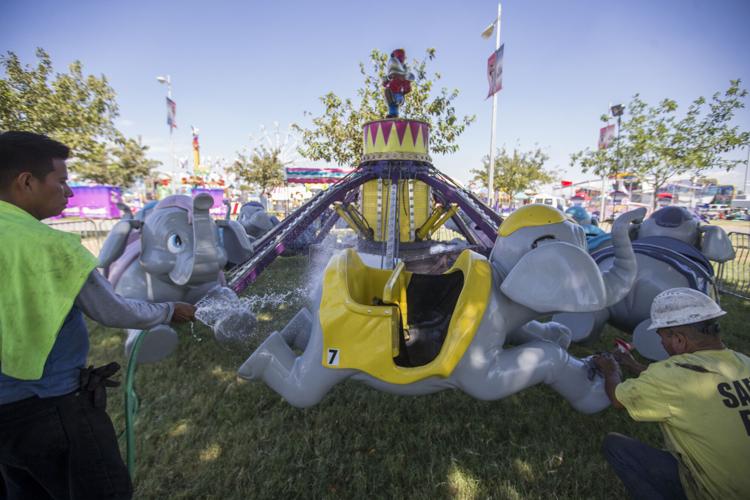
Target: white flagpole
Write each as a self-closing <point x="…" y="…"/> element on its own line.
<point x="491" y="166"/>
<point x="603" y="208"/>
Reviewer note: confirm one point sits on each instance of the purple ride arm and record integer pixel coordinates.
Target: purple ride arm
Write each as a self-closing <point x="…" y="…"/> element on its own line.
<point x="98" y="300"/>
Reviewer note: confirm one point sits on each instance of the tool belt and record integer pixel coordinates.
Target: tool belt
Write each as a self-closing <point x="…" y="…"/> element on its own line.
<point x="96" y="380"/>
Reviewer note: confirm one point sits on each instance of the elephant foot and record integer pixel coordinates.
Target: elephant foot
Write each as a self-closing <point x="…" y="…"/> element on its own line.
<point x="296" y="333"/>
<point x="159" y="343"/>
<point x="584" y="393"/>
<point x="273" y="349"/>
<point x="552" y="331"/>
<point x="559" y="334"/>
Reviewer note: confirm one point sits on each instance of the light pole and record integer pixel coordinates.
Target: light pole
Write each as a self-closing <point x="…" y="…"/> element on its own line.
<point x="617" y="111"/>
<point x="747" y="163"/>
<point x="167" y="80"/>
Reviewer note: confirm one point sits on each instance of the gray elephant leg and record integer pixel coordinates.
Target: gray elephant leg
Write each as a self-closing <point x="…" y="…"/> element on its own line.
<point x="296" y="333"/>
<point x="159" y="342"/>
<point x="302" y="381"/>
<point x="534" y="330"/>
<point x="584" y="327"/>
<point x="512" y="370"/>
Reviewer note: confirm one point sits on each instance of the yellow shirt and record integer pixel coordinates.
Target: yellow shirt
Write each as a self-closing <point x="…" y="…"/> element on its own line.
<point x="702" y="403"/>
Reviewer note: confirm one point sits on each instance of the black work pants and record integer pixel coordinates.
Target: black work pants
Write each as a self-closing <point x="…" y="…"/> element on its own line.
<point x="646" y="472"/>
<point x="60" y="448"/>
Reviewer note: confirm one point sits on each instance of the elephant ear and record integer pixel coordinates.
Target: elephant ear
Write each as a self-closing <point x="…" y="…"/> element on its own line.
<point x="716" y="245"/>
<point x="116" y="242"/>
<point x="556" y="277"/>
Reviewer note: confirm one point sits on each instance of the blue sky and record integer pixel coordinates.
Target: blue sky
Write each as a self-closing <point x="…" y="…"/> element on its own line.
<point x="238" y="65"/>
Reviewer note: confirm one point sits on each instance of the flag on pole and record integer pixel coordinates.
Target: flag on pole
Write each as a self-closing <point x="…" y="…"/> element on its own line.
<point x="489" y="30"/>
<point x="171" y="113"/>
<point x="606" y="136"/>
<point x="196" y="149"/>
<point x="495" y="71"/>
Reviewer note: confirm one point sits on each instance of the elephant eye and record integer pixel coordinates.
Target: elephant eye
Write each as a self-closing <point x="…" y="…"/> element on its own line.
<point x="542" y="238"/>
<point x="174" y="244"/>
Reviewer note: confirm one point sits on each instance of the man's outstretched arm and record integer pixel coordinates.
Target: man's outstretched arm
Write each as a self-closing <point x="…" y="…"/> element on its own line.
<point x="98" y="300"/>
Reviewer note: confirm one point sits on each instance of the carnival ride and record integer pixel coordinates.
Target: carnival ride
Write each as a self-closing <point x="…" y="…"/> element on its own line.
<point x="411" y="334"/>
<point x="376" y="318"/>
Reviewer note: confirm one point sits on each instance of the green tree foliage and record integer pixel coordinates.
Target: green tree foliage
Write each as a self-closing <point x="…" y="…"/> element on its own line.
<point x="262" y="169"/>
<point x="657" y="145"/>
<point x="336" y="135"/>
<point x="121" y="165"/>
<point x="76" y="109"/>
<point x="515" y="172"/>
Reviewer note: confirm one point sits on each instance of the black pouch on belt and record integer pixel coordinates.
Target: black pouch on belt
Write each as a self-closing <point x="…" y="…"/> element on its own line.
<point x="96" y="381"/>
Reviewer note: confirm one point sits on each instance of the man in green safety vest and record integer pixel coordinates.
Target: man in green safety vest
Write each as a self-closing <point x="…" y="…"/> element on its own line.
<point x="56" y="439"/>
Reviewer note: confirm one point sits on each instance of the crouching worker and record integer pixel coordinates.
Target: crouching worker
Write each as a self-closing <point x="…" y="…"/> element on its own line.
<point x="700" y="396"/>
<point x="56" y="439"/>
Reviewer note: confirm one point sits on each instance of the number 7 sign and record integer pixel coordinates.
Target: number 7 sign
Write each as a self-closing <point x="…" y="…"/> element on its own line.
<point x="333" y="357"/>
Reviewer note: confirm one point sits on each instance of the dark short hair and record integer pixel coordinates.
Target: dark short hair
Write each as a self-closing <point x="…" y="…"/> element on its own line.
<point x="28" y="152"/>
<point x="709" y="327"/>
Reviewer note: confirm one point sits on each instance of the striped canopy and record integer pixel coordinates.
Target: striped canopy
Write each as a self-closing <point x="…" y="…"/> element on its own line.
<point x="315" y="175"/>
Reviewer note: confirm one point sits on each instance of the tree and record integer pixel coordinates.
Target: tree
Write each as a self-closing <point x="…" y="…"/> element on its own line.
<point x="336" y="135"/>
<point x="656" y="145"/>
<point x="122" y="164"/>
<point x="263" y="169"/>
<point x="516" y="172"/>
<point x="76" y="109"/>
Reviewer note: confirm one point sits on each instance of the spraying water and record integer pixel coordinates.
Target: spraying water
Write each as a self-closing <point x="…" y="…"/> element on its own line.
<point x="233" y="319"/>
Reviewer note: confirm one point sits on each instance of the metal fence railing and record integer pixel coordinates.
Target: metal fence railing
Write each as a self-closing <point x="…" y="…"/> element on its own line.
<point x="733" y="277"/>
<point x="93" y="233"/>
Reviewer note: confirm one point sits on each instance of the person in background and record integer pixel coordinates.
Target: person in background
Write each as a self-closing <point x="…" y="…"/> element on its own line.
<point x="700" y="396"/>
<point x="56" y="439"/>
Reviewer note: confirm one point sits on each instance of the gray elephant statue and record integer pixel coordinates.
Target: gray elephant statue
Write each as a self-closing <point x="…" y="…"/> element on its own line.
<point x="413" y="334"/>
<point x="673" y="249"/>
<point x="172" y="255"/>
<point x="256" y="221"/>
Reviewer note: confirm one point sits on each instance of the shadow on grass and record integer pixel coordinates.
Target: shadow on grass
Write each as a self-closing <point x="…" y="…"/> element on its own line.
<point x="201" y="433"/>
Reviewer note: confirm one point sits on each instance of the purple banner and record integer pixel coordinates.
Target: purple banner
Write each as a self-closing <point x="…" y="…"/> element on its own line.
<point x="94" y="202"/>
<point x="218" y="210"/>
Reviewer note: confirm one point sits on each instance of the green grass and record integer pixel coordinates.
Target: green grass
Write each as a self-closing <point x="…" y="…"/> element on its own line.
<point x="201" y="433"/>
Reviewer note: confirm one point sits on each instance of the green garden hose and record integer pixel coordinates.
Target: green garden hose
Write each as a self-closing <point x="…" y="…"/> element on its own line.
<point x="131" y="404"/>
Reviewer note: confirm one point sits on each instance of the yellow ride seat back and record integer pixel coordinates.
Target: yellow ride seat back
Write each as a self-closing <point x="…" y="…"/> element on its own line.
<point x="359" y="334"/>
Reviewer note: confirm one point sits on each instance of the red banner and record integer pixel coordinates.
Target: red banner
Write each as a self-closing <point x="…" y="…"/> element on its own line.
<point x="495" y="70"/>
<point x="606" y="136"/>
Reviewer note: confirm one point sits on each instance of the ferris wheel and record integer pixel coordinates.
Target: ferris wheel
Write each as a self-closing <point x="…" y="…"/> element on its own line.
<point x="283" y="142"/>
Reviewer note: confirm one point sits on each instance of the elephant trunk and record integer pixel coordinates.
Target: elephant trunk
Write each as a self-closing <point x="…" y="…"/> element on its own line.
<point x="620" y="277"/>
<point x="207" y="257"/>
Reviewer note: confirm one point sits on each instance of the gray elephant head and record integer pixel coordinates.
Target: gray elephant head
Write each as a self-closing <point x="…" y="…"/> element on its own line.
<point x="680" y="224"/>
<point x="672" y="222"/>
<point x="255" y="219"/>
<point x="180" y="241"/>
<point x="540" y="256"/>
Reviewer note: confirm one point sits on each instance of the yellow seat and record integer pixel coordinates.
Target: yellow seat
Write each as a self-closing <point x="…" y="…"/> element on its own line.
<point x="361" y="329"/>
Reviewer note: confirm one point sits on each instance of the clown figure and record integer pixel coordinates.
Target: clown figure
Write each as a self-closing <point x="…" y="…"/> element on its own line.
<point x="397" y="82"/>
